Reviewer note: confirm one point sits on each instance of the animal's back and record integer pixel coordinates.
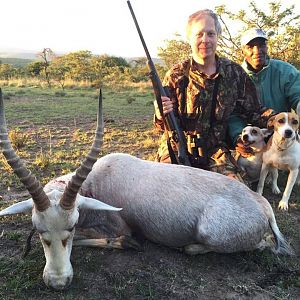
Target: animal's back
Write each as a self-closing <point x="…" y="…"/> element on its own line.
<point x="174" y="205"/>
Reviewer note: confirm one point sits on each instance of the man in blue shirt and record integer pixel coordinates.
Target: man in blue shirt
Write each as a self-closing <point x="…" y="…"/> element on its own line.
<point x="277" y="82"/>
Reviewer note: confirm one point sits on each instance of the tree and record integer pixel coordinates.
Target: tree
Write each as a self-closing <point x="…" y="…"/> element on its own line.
<point x="59" y="70"/>
<point x="46" y="55"/>
<point x="35" y="68"/>
<point x="79" y="65"/>
<point x="108" y="68"/>
<point x="281" y="25"/>
<point x="7" y="71"/>
<point x="174" y="51"/>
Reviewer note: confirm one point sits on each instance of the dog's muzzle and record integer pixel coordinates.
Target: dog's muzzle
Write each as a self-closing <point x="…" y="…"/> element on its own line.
<point x="288" y="133"/>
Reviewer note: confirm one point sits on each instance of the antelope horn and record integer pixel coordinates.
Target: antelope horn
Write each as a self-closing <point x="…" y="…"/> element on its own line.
<point x="30" y="182"/>
<point x="68" y="198"/>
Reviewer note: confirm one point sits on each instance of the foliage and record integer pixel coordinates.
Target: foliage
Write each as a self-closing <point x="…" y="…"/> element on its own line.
<point x="7" y="71"/>
<point x="59" y="70"/>
<point x="46" y="55"/>
<point x="18" y="138"/>
<point x="35" y="68"/>
<point x="175" y="51"/>
<point x="83" y="68"/>
<point x="281" y="25"/>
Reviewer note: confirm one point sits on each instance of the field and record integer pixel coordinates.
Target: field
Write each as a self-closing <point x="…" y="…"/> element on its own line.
<point x="52" y="131"/>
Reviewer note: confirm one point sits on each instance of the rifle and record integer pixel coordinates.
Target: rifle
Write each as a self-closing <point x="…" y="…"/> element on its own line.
<point x="170" y="122"/>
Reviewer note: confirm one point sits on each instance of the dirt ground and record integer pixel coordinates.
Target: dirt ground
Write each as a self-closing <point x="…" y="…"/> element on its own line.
<point x="155" y="272"/>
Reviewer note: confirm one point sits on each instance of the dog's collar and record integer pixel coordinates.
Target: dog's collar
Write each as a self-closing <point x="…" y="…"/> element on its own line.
<point x="280" y="148"/>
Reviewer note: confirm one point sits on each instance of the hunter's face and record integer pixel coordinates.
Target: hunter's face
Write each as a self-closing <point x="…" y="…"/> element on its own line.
<point x="203" y="38"/>
<point x="255" y="53"/>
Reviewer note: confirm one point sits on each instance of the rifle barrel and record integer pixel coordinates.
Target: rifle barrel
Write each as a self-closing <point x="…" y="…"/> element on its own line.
<point x="182" y="155"/>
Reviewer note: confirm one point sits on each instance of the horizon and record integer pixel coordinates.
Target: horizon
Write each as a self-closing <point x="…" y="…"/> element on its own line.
<point x="102" y="27"/>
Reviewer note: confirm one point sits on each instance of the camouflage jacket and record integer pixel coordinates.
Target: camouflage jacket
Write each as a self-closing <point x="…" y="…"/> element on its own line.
<point x="192" y="91"/>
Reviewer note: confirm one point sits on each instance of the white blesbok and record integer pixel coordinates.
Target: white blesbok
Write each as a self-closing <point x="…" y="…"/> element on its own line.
<point x="177" y="206"/>
<point x="54" y="214"/>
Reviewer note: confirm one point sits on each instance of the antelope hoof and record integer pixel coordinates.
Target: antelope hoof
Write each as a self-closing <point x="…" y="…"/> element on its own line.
<point x="128" y="242"/>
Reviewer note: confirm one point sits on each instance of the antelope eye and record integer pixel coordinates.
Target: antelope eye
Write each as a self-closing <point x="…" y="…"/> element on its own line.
<point x="254" y="131"/>
<point x="64" y="242"/>
<point x="294" y="122"/>
<point x="48" y="243"/>
<point x="71" y="229"/>
<point x="281" y="121"/>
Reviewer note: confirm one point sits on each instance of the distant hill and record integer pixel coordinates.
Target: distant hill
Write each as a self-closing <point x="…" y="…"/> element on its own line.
<point x="17" y="57"/>
<point x="18" y="53"/>
<point x="16" y="62"/>
<point x="20" y="57"/>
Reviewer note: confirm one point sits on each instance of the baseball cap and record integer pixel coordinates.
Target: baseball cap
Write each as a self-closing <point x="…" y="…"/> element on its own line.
<point x="251" y="34"/>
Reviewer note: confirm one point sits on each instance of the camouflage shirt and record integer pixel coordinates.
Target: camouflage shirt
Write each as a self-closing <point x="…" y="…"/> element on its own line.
<point x="192" y="92"/>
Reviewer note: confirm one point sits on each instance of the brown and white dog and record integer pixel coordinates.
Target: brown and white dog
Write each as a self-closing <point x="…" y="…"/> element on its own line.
<point x="283" y="153"/>
<point x="253" y="140"/>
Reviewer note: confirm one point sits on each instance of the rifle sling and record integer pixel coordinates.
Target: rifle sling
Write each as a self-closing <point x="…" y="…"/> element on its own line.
<point x="214" y="103"/>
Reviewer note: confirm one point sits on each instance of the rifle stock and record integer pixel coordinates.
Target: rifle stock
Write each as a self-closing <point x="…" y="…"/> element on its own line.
<point x="171" y="121"/>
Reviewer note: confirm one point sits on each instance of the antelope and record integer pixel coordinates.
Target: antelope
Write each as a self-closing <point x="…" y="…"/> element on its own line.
<point x="190" y="209"/>
<point x="54" y="214"/>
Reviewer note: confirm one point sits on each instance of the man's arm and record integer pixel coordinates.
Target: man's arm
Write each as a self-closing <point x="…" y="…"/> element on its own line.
<point x="248" y="110"/>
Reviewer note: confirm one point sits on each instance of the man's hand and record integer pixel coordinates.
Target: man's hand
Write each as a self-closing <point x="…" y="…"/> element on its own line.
<point x="242" y="149"/>
<point x="167" y="106"/>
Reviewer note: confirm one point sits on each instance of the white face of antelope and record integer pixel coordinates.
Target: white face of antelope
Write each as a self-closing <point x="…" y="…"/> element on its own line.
<point x="56" y="228"/>
<point x="286" y="125"/>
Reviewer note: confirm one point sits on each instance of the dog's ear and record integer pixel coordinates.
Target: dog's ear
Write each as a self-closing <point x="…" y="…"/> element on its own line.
<point x="270" y="124"/>
<point x="266" y="132"/>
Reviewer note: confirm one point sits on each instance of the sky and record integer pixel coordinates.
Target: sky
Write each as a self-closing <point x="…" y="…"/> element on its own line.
<point x="101" y="26"/>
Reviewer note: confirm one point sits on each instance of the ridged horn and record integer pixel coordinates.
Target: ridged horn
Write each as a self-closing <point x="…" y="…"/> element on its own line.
<point x="30" y="182"/>
<point x="69" y="196"/>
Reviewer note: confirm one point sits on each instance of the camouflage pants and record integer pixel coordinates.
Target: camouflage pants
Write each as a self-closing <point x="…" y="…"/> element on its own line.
<point x="220" y="162"/>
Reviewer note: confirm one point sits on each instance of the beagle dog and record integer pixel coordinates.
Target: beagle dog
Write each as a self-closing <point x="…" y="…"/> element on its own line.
<point x="282" y="153"/>
<point x="253" y="138"/>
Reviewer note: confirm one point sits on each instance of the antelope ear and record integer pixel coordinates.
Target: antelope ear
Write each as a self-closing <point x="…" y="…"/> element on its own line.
<point x="22" y="207"/>
<point x="91" y="203"/>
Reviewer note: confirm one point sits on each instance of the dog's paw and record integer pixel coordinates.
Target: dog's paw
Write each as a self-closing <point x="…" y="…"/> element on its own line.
<point x="283" y="205"/>
<point x="276" y="190"/>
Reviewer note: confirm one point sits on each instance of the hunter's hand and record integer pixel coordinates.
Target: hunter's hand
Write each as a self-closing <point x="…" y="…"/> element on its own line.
<point x="167" y="106"/>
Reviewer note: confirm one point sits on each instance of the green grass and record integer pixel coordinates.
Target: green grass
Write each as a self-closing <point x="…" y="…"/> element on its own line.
<point x="41" y="106"/>
<point x="54" y="132"/>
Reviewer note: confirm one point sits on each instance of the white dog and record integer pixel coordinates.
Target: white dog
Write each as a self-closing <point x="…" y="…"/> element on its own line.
<point x="283" y="153"/>
<point x="253" y="138"/>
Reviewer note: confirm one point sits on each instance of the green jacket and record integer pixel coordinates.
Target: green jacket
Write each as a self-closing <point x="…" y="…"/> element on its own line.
<point x="278" y="87"/>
